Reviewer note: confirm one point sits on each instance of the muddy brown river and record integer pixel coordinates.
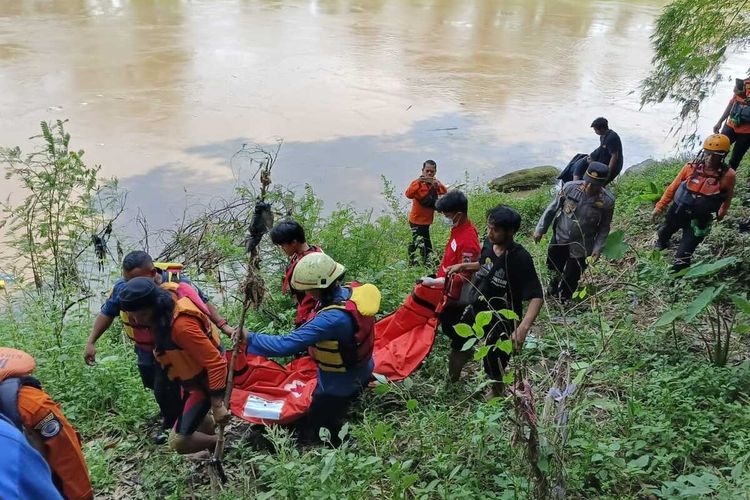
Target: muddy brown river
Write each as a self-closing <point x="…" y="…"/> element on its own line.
<point x="162" y="93"/>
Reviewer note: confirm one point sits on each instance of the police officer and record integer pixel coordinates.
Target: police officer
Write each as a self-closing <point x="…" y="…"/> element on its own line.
<point x="582" y="215"/>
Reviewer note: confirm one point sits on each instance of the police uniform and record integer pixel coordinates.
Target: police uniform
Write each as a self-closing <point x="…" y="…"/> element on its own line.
<point x="581" y="226"/>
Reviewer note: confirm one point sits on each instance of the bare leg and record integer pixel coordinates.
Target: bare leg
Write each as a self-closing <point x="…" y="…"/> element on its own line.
<point x="194" y="443"/>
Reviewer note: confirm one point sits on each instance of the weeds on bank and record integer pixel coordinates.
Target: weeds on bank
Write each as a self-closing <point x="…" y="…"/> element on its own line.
<point x="649" y="414"/>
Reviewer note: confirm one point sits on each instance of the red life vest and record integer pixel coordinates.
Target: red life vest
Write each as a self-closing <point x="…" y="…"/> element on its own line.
<point x="701" y="192"/>
<point x="338" y="355"/>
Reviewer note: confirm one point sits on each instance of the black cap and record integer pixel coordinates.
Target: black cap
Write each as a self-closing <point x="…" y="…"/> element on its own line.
<point x="600" y="122"/>
<point x="597" y="174"/>
<point x="139" y="293"/>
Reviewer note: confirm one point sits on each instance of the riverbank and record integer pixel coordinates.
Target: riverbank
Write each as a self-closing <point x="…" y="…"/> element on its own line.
<point x="650" y="414"/>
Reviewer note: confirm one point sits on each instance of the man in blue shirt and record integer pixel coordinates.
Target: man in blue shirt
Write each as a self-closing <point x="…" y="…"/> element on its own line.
<point x="23" y="472"/>
<point x="340" y="339"/>
<point x="135" y="265"/>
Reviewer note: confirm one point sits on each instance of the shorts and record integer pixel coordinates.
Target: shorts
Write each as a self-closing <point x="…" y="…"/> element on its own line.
<point x="196" y="404"/>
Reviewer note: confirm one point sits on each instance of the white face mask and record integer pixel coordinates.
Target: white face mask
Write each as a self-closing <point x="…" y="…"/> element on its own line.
<point x="449" y="221"/>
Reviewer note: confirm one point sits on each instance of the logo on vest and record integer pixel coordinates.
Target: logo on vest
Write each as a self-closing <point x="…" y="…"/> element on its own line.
<point x="49" y="426"/>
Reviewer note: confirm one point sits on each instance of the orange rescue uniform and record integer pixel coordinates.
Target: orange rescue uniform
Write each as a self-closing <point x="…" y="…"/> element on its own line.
<point x="59" y="442"/>
<point x="726" y="184"/>
<point x="741" y="99"/>
<point x="417" y="190"/>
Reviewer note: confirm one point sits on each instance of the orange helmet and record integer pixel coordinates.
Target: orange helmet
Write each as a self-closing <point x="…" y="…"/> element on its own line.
<point x="15" y="363"/>
<point x="717" y="144"/>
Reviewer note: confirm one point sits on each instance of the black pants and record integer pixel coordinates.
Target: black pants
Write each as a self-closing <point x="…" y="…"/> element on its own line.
<point x="566" y="271"/>
<point x="166" y="392"/>
<point x="496" y="359"/>
<point x="741" y="145"/>
<point x="420" y="240"/>
<point x="325" y="411"/>
<point x="449" y="317"/>
<point x="675" y="220"/>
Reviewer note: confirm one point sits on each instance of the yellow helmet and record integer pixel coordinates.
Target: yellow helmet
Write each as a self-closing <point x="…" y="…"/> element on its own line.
<point x="171" y="269"/>
<point x="717" y="143"/>
<point x="316" y="270"/>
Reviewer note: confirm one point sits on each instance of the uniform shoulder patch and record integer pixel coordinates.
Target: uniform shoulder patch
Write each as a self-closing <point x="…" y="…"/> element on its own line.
<point x="49" y="427"/>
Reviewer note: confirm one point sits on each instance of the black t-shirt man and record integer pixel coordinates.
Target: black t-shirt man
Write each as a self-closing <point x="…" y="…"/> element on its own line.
<point x="505" y="281"/>
<point x="609" y="144"/>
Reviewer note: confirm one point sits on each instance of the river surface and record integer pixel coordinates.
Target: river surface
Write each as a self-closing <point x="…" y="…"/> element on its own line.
<point x="162" y="93"/>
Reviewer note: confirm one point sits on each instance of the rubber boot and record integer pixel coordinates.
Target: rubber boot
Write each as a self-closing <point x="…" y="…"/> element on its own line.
<point x="456" y="362"/>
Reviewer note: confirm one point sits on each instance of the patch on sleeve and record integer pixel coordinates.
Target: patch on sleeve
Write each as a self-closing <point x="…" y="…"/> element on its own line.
<point x="454" y="245"/>
<point x="49" y="426"/>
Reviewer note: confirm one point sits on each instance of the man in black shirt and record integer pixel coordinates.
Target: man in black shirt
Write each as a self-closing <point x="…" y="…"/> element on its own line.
<point x="505" y="278"/>
<point x="609" y="151"/>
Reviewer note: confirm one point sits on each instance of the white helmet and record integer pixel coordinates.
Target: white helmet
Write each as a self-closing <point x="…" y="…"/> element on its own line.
<point x="316" y="270"/>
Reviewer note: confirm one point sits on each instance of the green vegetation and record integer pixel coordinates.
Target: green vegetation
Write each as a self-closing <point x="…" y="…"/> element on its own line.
<point x="662" y="384"/>
<point x="691" y="42"/>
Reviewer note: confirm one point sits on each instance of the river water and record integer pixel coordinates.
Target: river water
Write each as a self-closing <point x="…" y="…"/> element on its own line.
<point x="161" y="93"/>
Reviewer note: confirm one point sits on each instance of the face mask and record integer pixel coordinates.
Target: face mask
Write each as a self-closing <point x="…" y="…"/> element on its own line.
<point x="448" y="221"/>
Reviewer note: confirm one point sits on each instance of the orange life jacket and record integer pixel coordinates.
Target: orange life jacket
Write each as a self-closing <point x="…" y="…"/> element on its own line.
<point x="31" y="409"/>
<point x="701" y="192"/>
<point x="338" y="355"/>
<point x="179" y="365"/>
<point x="143" y="337"/>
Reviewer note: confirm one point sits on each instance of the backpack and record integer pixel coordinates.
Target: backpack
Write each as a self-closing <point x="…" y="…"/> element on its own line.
<point x="701" y="192"/>
<point x="567" y="174"/>
<point x="740" y="113"/>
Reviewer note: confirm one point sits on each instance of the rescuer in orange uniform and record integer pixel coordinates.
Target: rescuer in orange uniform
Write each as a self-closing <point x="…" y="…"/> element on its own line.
<point x="29" y="408"/>
<point x="704" y="187"/>
<point x="189" y="350"/>
<point x="424" y="193"/>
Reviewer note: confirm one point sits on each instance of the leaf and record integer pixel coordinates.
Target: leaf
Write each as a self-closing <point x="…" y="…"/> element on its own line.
<point x="380" y="378"/>
<point x="329" y="463"/>
<point x="668" y="317"/>
<point x="508" y="314"/>
<point x="483" y="318"/>
<point x="481" y="352"/>
<point x="702" y="301"/>
<point x="582" y="294"/>
<point x="469" y="344"/>
<point x="464" y="330"/>
<point x="508" y="378"/>
<point x="412" y="404"/>
<point x="615" y="247"/>
<point x="741" y="302"/>
<point x="708" y="268"/>
<point x="505" y="345"/>
<point x="640" y="462"/>
<point x="737" y="470"/>
<point x="344" y="431"/>
<point x="381" y="389"/>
